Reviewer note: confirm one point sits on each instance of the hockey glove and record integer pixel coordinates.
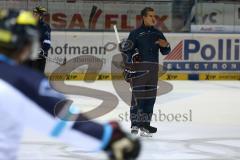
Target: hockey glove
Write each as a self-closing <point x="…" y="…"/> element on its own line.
<point x="122" y="146"/>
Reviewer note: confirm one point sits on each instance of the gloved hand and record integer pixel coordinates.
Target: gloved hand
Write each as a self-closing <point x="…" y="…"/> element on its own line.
<point x="125" y="45"/>
<point x="122" y="146"/>
<point x="128" y="74"/>
<point x="136" y="58"/>
<point x="42" y="54"/>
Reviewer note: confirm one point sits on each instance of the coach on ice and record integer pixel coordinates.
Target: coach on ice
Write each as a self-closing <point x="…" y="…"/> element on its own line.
<point x="145" y="43"/>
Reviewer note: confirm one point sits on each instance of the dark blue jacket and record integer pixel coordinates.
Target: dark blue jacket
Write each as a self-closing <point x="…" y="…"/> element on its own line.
<point x="45" y="36"/>
<point x="37" y="90"/>
<point x="144" y="39"/>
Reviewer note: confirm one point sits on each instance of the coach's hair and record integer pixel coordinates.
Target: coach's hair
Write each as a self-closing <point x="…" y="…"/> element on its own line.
<point x="146" y="10"/>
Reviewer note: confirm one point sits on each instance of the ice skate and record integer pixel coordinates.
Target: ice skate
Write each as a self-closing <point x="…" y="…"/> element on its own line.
<point x="147" y="131"/>
<point x="134" y="130"/>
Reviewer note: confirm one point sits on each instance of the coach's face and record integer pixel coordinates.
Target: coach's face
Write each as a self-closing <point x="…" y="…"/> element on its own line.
<point x="150" y="18"/>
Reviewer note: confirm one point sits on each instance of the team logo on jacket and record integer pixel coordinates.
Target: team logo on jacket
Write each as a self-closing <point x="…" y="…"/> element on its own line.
<point x="212" y="55"/>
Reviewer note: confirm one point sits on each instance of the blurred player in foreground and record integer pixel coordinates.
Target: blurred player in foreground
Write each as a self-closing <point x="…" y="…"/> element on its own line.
<point x="45" y="40"/>
<point x="146" y="41"/>
<point x="26" y="99"/>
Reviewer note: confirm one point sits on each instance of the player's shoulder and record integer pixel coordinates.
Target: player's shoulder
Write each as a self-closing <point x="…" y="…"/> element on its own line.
<point x="44" y="25"/>
<point x="136" y="31"/>
<point x="133" y="32"/>
<point x="158" y="32"/>
<point x="21" y="77"/>
<point x="20" y="72"/>
<point x="47" y="26"/>
<point x="30" y="74"/>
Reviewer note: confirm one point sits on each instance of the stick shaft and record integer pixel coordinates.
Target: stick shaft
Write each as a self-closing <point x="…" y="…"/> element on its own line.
<point x="50" y="59"/>
<point x="116" y="33"/>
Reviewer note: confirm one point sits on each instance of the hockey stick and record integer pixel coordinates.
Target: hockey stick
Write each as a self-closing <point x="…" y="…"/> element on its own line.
<point x="135" y="54"/>
<point x="116" y="34"/>
<point x="124" y="44"/>
<point x="41" y="53"/>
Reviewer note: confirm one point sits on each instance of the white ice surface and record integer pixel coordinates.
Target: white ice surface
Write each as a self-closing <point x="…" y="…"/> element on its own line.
<point x="213" y="133"/>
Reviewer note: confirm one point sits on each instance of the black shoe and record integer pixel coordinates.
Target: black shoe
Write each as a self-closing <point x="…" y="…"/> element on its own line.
<point x="147" y="131"/>
<point x="151" y="129"/>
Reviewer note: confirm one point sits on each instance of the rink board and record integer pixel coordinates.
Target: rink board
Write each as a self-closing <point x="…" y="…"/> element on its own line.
<point x="167" y="76"/>
<point x="193" y="56"/>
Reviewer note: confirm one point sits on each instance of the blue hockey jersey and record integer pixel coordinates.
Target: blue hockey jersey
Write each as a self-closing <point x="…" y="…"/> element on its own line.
<point x="45" y="36"/>
<point x="26" y="99"/>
